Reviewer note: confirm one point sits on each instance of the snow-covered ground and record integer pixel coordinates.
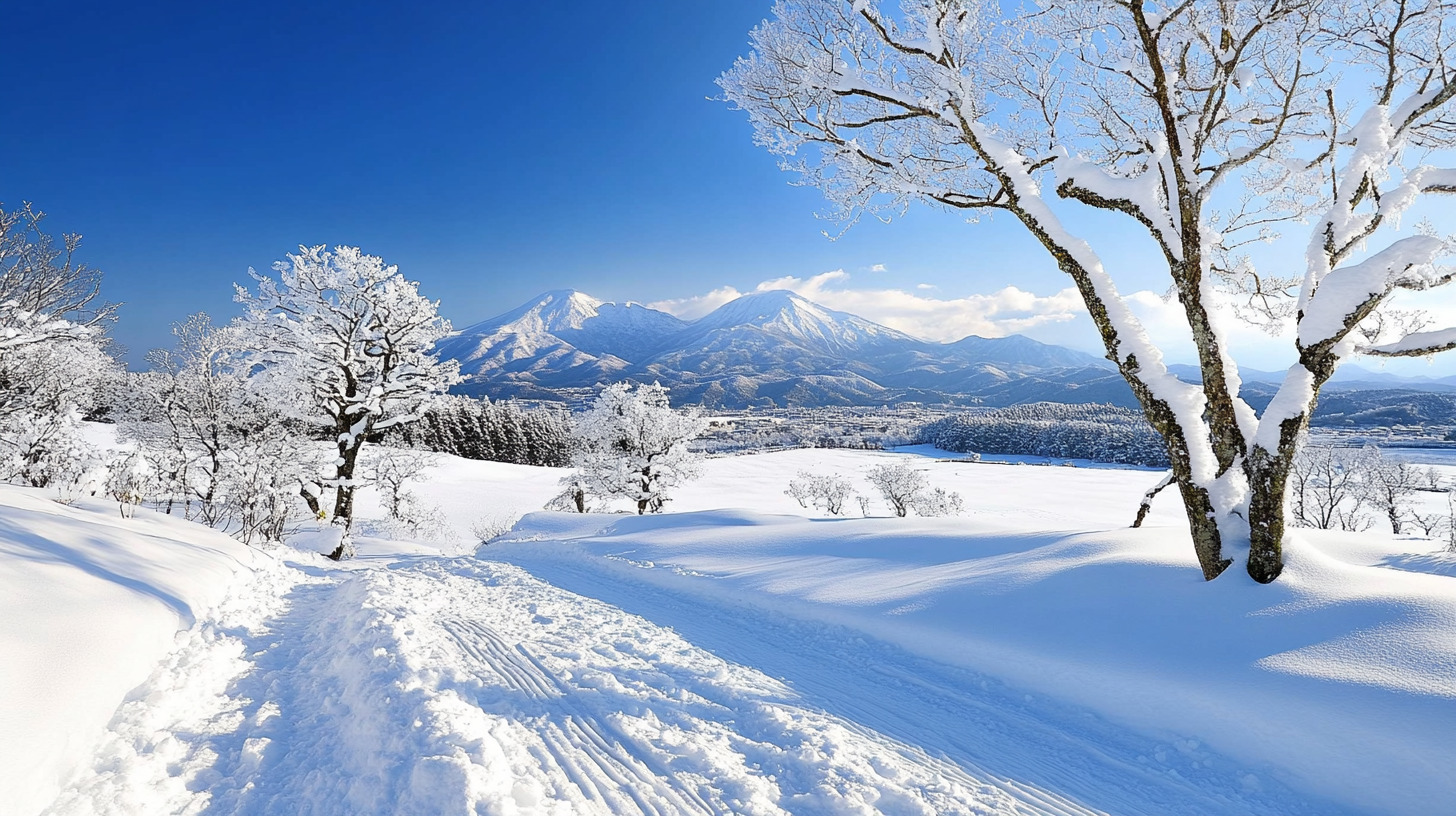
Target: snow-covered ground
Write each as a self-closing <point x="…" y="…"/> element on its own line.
<point x="89" y="603"/>
<point x="737" y="655"/>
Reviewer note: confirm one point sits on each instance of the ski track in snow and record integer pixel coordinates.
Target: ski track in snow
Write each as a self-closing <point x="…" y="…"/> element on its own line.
<point x="445" y="686"/>
<point x="457" y="686"/>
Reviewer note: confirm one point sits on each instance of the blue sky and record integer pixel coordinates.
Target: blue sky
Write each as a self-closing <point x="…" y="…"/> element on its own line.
<point x="492" y="150"/>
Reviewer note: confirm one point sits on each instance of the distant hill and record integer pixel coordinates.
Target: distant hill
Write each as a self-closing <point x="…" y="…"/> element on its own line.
<point x="778" y="349"/>
<point x="767" y="349"/>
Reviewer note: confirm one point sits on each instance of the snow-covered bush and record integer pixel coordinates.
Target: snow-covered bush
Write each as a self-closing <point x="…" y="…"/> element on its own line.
<point x="938" y="502"/>
<point x="899" y="485"/>
<point x="130" y="480"/>
<point x="633" y="445"/>
<point x="905" y="489"/>
<point x="828" y="493"/>
<point x="488" y="528"/>
<point x="47" y="449"/>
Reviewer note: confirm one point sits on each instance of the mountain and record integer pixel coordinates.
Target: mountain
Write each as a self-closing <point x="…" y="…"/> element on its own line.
<point x="778" y="349"/>
<point x="772" y="348"/>
<point x="560" y="339"/>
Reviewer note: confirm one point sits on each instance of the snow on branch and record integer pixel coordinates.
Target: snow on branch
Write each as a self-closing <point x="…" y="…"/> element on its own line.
<point x="1347" y="295"/>
<point x="1418" y="344"/>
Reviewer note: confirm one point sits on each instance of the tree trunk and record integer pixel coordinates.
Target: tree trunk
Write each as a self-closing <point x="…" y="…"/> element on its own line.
<point x="344" y="490"/>
<point x="1268" y="472"/>
<point x="1268" y="490"/>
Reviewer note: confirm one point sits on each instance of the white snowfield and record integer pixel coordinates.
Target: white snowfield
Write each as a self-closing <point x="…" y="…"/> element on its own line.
<point x="738" y="655"/>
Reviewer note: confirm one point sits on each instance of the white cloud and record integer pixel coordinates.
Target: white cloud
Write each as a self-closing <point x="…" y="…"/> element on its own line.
<point x="692" y="308"/>
<point x="1060" y="318"/>
<point x="1007" y="311"/>
<point x="877" y="268"/>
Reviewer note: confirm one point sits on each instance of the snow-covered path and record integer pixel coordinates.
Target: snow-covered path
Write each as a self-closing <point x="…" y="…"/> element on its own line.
<point x="443" y="686"/>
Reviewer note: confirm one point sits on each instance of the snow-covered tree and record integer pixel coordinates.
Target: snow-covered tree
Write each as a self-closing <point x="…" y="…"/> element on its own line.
<point x="899" y="485"/>
<point x="45" y="294"/>
<point x="54" y="368"/>
<point x="938" y="501"/>
<point x="1391" y="484"/>
<point x="633" y="445"/>
<point x="359" y="338"/>
<point x="828" y="493"/>
<point x="1207" y="123"/>
<point x="1329" y="487"/>
<point x="573" y="498"/>
<point x="216" y="436"/>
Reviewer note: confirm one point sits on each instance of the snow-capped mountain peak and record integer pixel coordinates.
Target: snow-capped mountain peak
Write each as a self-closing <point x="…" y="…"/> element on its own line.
<point x="765" y="347"/>
<point x="796" y="318"/>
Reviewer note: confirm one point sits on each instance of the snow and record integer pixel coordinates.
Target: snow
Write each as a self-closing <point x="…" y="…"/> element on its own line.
<point x="89" y="603"/>
<point x="740" y="654"/>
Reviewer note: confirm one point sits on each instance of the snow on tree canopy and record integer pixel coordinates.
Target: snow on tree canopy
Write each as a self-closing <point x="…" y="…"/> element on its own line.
<point x="634" y="446"/>
<point x="360" y="339"/>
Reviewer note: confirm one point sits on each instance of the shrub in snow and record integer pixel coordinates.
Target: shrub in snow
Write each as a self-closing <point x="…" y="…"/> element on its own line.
<point x="899" y="485"/>
<point x="358" y="338"/>
<point x="46" y="449"/>
<point x="488" y="528"/>
<point x="938" y="502"/>
<point x="632" y="445"/>
<point x="130" y="479"/>
<point x="828" y="493"/>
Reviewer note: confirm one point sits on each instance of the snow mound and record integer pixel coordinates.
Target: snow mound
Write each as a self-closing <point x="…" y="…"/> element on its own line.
<point x="89" y="602"/>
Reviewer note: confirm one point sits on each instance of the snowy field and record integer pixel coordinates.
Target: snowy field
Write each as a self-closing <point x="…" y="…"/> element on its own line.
<point x="738" y="654"/>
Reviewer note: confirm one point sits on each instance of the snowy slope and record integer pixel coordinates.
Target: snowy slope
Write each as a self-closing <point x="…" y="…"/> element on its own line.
<point x="743" y="655"/>
<point x="1339" y="681"/>
<point x="89" y="602"/>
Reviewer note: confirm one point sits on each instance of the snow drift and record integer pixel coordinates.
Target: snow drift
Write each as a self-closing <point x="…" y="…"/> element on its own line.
<point x="90" y="603"/>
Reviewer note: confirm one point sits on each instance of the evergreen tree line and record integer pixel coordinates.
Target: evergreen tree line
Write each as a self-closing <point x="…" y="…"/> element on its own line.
<point x="1100" y="433"/>
<point x="489" y="431"/>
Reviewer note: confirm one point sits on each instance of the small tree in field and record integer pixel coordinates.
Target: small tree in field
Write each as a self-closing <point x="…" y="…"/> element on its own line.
<point x="821" y="492"/>
<point x="1207" y="124"/>
<point x="358" y="337"/>
<point x="631" y="444"/>
<point x="900" y="485"/>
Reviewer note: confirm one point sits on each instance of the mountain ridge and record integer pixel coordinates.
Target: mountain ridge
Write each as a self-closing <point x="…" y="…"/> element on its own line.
<point x="769" y="348"/>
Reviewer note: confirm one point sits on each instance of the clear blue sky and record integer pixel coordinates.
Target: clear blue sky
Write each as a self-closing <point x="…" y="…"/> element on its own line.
<point x="492" y="150"/>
